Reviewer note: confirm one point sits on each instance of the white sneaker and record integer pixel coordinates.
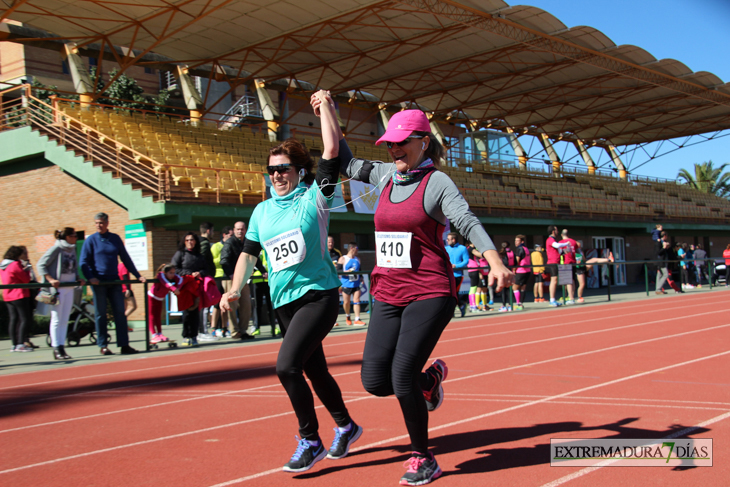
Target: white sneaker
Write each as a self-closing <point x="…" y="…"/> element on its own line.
<point x="207" y="337"/>
<point x="22" y="348"/>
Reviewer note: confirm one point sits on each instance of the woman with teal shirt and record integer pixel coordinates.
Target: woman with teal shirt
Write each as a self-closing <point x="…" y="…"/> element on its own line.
<point x="292" y="229"/>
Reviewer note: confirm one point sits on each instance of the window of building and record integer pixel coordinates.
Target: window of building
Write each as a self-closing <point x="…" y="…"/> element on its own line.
<point x="148" y="70"/>
<point x="64" y="67"/>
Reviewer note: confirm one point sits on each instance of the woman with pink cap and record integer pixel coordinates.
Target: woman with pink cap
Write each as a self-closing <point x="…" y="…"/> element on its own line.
<point x="413" y="282"/>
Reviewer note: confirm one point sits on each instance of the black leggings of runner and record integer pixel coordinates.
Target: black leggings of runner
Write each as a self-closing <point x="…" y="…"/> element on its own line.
<point x="399" y="342"/>
<point x="304" y="324"/>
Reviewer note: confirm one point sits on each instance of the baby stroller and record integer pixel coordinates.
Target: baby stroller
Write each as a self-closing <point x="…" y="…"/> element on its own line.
<point x="78" y="329"/>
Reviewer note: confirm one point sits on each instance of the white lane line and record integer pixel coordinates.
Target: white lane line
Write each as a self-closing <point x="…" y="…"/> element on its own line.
<point x="247" y="356"/>
<point x="678" y="434"/>
<point x="589" y="403"/>
<point x="22" y="428"/>
<point x="574" y="335"/>
<point x="513" y="408"/>
<point x="581" y="354"/>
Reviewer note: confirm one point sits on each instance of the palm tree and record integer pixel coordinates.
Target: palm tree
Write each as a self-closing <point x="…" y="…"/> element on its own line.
<point x="707" y="179"/>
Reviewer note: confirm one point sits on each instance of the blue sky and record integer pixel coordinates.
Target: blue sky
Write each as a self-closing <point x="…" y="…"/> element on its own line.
<point x="695" y="32"/>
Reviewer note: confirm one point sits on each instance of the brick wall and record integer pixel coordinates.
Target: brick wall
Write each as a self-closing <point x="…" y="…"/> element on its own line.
<point x="39" y="201"/>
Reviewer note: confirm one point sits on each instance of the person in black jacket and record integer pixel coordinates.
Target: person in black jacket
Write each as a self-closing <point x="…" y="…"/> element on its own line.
<point x="664" y="255"/>
<point x="190" y="262"/>
<point x="206" y="234"/>
<point x="240" y="312"/>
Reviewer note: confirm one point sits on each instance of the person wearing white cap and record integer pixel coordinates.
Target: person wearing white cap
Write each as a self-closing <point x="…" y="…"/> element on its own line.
<point x="413" y="283"/>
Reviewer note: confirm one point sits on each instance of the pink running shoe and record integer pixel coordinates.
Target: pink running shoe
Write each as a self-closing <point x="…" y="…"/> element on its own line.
<point x="435" y="396"/>
<point x="155" y="338"/>
<point x="421" y="469"/>
<point x="163" y="338"/>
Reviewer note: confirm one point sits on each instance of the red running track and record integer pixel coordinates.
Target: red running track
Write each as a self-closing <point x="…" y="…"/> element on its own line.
<point x="648" y="369"/>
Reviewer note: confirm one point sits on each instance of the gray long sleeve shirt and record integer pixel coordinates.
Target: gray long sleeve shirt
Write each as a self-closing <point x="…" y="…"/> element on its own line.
<point x="442" y="200"/>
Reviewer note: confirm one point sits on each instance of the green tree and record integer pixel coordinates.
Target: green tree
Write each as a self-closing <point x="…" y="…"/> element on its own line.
<point x="707" y="179"/>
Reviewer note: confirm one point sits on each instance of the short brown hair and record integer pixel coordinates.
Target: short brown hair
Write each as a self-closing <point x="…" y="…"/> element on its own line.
<point x="521" y="237"/>
<point x="298" y="155"/>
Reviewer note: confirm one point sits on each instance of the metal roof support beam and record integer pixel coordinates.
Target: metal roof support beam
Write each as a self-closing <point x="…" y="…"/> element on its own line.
<point x="517" y="148"/>
<point x="613" y="154"/>
<point x="193" y="100"/>
<point x="550" y="150"/>
<point x="479" y="144"/>
<point x="383" y="119"/>
<point x="583" y="151"/>
<point x="271" y="114"/>
<point x="79" y="74"/>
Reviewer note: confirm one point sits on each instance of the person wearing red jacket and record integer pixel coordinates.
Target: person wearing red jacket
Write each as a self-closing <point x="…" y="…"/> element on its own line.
<point x="167" y="282"/>
<point x="12" y="271"/>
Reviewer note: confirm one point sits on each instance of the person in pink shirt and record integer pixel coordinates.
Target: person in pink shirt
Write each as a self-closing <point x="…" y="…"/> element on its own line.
<point x="12" y="271"/>
<point x="569" y="258"/>
<point x="167" y="282"/>
<point x="522" y="271"/>
<point x="130" y="303"/>
<point x="553" y="248"/>
<point x="478" y="280"/>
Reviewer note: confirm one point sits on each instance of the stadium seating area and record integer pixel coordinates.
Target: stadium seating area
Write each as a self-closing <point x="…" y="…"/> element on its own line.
<point x="203" y="160"/>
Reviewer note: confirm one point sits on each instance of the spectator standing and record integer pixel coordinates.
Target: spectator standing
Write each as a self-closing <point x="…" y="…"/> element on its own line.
<point x="683" y="255"/>
<point x="215" y="250"/>
<point x="726" y="256"/>
<point x="262" y="299"/>
<point x="335" y="254"/>
<point x="12" y="271"/>
<point x="508" y="260"/>
<point x="99" y="262"/>
<point x="522" y="272"/>
<point x="351" y="285"/>
<point x="59" y="265"/>
<point x="459" y="257"/>
<point x="553" y="248"/>
<point x="700" y="264"/>
<point x="569" y="258"/>
<point x="240" y="312"/>
<point x="537" y="257"/>
<point x="477" y="280"/>
<point x="130" y="303"/>
<point x="188" y="261"/>
<point x="664" y="255"/>
<point x="206" y="234"/>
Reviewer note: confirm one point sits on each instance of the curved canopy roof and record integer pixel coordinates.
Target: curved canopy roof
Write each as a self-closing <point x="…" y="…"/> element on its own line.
<point x="480" y="61"/>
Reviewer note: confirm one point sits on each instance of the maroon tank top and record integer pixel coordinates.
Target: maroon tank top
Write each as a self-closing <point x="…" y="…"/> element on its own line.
<point x="430" y="275"/>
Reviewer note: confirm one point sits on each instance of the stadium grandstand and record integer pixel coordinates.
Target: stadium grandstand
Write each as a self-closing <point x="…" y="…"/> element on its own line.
<point x="508" y="90"/>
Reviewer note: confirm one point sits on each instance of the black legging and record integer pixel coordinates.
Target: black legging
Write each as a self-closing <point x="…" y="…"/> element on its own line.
<point x="304" y="324"/>
<point x="18" y="311"/>
<point x="398" y="344"/>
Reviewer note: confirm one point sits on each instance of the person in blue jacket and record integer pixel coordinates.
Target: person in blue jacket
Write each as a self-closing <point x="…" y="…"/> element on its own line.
<point x="459" y="257"/>
<point x="99" y="262"/>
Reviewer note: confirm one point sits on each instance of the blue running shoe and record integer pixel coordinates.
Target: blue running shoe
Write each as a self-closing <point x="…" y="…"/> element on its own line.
<point x="305" y="457"/>
<point x="341" y="444"/>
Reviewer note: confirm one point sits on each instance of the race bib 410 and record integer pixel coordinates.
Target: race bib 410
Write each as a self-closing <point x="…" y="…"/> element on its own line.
<point x="285" y="250"/>
<point x="393" y="249"/>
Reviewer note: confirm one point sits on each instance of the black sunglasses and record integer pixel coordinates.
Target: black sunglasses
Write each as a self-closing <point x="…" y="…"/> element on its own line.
<point x="281" y="169"/>
<point x="403" y="142"/>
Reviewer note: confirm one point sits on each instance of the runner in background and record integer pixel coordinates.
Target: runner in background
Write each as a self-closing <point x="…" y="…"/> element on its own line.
<point x="522" y="272"/>
<point x="351" y="284"/>
<point x="459" y="257"/>
<point x="537" y="257"/>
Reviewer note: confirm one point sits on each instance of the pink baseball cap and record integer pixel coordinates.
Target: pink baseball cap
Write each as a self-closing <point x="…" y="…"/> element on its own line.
<point x="403" y="124"/>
